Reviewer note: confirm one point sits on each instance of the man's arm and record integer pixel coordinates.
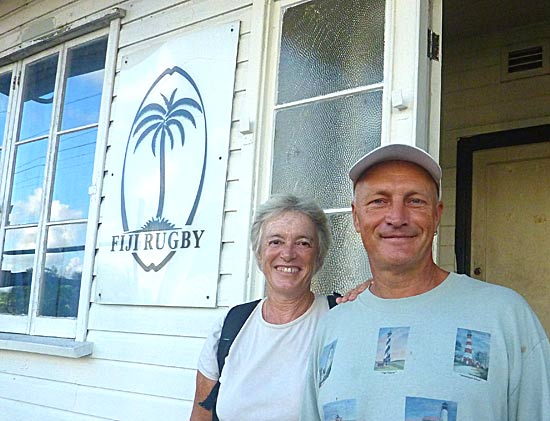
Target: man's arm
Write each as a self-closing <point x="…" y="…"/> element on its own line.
<point x="203" y="387"/>
<point x="531" y="399"/>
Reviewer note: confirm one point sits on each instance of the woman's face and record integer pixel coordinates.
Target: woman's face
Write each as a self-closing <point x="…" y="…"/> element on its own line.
<point x="289" y="248"/>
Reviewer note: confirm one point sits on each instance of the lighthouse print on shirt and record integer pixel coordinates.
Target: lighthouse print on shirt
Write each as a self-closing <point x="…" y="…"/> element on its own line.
<point x="391" y="350"/>
<point x="429" y="409"/>
<point x="472" y="349"/>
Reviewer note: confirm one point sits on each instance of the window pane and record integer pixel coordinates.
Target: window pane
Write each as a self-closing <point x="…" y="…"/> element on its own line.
<point x="346" y="264"/>
<point x="5" y="83"/>
<point x="38" y="98"/>
<point x="16" y="274"/>
<point x="316" y="143"/>
<point x="84" y="84"/>
<point x="28" y="176"/>
<point x="63" y="270"/>
<point x="330" y="45"/>
<point x="73" y="175"/>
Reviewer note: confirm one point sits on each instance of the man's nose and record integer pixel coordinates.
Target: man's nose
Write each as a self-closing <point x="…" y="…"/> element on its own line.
<point x="397" y="214"/>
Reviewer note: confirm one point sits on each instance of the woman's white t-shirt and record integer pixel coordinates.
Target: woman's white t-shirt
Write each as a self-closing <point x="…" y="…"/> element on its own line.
<point x="264" y="373"/>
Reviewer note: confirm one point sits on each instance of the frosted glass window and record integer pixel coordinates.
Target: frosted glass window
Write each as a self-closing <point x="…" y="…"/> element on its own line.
<point x="346" y="264"/>
<point x="330" y="45"/>
<point x="336" y="48"/>
<point x="316" y="143"/>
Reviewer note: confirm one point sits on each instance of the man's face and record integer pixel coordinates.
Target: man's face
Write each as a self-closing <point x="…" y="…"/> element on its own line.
<point x="396" y="211"/>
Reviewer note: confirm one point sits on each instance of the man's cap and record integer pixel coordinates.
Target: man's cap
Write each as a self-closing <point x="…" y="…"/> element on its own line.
<point x="397" y="152"/>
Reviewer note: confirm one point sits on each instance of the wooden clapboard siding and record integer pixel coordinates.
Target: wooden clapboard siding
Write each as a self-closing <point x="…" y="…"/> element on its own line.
<point x="182" y="16"/>
<point x="96" y="401"/>
<point x="153" y="320"/>
<point x="146" y="379"/>
<point x="496" y="92"/>
<point x="144" y="359"/>
<point x="14" y="24"/>
<point x="23" y="411"/>
<point x="505" y="112"/>
<point x="240" y="77"/>
<point x="475" y="101"/>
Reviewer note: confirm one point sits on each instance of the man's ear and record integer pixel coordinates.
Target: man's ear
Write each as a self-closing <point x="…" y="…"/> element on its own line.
<point x="354" y="216"/>
<point x="439" y="212"/>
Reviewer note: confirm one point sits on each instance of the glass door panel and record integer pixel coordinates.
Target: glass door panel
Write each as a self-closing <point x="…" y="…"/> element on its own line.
<point x="73" y="175"/>
<point x="322" y="139"/>
<point x="346" y="259"/>
<point x="38" y="93"/>
<point x="84" y="84"/>
<point x="17" y="270"/>
<point x="28" y="178"/>
<point x="63" y="270"/>
<point x="328" y="113"/>
<point x="5" y="84"/>
<point x="329" y="46"/>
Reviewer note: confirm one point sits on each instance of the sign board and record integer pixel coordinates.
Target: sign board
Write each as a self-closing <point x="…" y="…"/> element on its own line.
<point x="161" y="218"/>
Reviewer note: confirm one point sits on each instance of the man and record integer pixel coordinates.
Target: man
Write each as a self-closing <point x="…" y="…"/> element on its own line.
<point x="422" y="343"/>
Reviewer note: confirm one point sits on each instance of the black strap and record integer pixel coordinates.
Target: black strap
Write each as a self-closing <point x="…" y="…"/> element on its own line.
<point x="232" y="325"/>
<point x="332" y="299"/>
<point x="210" y="402"/>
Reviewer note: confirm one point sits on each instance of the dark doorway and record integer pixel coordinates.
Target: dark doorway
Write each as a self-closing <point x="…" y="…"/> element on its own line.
<point x="466" y="148"/>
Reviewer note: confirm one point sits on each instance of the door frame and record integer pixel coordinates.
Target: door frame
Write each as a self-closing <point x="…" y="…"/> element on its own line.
<point x="464" y="176"/>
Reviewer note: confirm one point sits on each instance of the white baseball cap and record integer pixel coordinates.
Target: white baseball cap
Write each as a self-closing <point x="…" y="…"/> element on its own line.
<point x="397" y="152"/>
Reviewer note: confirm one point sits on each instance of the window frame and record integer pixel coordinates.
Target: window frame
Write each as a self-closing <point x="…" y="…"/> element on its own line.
<point x="7" y="146"/>
<point x="31" y="324"/>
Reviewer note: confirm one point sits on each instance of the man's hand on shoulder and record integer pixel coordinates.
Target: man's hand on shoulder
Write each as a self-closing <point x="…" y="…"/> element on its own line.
<point x="354" y="293"/>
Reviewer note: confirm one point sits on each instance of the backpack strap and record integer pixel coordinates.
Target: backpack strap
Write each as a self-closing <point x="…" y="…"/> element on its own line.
<point x="232" y="325"/>
<point x="332" y="299"/>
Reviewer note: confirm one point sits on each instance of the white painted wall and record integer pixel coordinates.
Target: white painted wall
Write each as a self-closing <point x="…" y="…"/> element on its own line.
<point x="144" y="358"/>
<point x="475" y="101"/>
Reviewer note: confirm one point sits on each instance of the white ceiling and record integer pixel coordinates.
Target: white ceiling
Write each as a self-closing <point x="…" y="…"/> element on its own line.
<point x="463" y="18"/>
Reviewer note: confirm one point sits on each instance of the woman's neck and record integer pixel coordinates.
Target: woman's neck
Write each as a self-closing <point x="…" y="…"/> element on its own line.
<point x="281" y="310"/>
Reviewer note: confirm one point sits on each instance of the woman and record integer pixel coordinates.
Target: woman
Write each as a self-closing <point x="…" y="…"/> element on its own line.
<point x="263" y="376"/>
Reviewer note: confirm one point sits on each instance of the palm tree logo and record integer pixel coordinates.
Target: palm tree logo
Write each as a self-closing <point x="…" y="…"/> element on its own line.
<point x="171" y="107"/>
<point x="163" y="121"/>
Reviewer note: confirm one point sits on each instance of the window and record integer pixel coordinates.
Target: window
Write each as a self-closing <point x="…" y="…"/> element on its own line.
<point x="327" y="113"/>
<point x="49" y="116"/>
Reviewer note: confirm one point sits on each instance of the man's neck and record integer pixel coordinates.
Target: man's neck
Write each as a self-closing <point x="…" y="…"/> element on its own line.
<point x="402" y="284"/>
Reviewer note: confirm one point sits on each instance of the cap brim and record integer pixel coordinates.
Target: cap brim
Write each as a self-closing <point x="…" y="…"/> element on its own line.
<point x="396" y="152"/>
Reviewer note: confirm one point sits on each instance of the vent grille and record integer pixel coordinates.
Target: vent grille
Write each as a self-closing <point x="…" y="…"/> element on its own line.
<point x="525" y="59"/>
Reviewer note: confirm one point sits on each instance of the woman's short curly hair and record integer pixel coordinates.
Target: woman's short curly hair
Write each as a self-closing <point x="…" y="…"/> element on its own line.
<point x="282" y="203"/>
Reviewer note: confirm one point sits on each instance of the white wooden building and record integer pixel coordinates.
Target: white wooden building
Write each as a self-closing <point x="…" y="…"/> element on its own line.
<point x="139" y="136"/>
